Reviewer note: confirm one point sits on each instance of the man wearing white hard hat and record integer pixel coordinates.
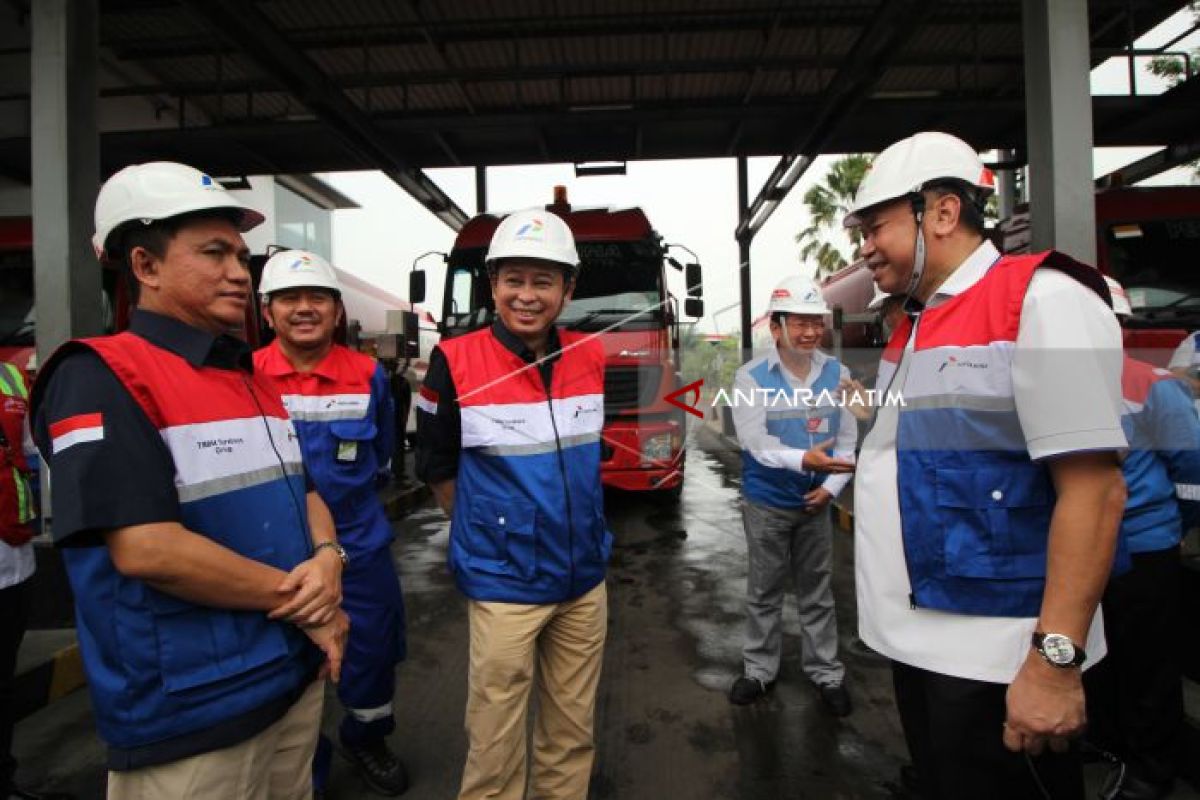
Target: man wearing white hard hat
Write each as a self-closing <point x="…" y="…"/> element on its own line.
<point x="787" y="418"/>
<point x="341" y="405"/>
<point x="508" y="427"/>
<point x="197" y="551"/>
<point x="987" y="503"/>
<point x="1135" y="695"/>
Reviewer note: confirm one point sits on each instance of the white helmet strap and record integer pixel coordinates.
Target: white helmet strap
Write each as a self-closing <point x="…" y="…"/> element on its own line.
<point x="918" y="270"/>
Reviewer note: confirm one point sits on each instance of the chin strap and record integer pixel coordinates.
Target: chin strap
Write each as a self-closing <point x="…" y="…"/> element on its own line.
<point x="918" y="271"/>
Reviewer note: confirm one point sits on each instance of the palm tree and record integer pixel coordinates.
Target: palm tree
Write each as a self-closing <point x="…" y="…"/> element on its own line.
<point x="828" y="202"/>
<point x="1174" y="69"/>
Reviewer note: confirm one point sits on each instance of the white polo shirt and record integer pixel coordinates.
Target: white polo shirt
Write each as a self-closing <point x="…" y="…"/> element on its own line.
<point x="1067" y="386"/>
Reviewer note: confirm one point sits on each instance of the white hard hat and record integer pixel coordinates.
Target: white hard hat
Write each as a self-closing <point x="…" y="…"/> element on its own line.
<point x="293" y="269"/>
<point x="534" y="234"/>
<point x="909" y="165"/>
<point x="1120" y="300"/>
<point x="159" y="190"/>
<point x="797" y="295"/>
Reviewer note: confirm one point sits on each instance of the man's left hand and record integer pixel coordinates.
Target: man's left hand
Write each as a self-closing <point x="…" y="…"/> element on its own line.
<point x="816" y="500"/>
<point x="316" y="589"/>
<point x="1045" y="707"/>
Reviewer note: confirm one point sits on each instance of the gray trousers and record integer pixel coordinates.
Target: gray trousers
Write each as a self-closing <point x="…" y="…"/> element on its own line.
<point x="785" y="542"/>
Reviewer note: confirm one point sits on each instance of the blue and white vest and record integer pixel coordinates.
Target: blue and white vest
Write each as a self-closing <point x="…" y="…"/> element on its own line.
<point x="796" y="424"/>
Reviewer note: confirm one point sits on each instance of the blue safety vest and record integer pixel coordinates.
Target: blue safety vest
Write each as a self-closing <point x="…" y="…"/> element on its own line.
<point x="797" y="423"/>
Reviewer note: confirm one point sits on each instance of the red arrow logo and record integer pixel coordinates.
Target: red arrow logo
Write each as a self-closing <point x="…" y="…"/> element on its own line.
<point x="693" y="389"/>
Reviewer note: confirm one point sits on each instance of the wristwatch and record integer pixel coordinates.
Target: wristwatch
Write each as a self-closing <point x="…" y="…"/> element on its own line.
<point x="1058" y="650"/>
<point x="335" y="547"/>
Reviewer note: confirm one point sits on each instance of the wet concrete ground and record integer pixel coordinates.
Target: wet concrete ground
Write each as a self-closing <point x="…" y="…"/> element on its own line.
<point x="664" y="727"/>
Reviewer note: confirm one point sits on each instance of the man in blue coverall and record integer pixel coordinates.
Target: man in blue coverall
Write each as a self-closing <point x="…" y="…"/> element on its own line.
<point x="1135" y="695"/>
<point x="341" y="404"/>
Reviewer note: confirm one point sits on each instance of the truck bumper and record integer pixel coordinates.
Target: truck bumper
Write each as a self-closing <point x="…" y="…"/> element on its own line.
<point x="626" y="464"/>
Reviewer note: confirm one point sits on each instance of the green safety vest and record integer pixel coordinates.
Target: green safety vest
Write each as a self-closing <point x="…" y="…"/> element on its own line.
<point x="17" y="507"/>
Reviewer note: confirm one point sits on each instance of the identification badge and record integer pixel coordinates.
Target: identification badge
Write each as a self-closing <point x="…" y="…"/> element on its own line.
<point x="347" y="451"/>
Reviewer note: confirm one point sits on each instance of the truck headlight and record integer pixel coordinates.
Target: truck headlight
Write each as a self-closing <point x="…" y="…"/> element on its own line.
<point x="657" y="448"/>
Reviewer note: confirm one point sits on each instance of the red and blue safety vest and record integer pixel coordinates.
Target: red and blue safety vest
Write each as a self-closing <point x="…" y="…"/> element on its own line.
<point x="528" y="523"/>
<point x="159" y="666"/>
<point x="343" y="412"/>
<point x="974" y="508"/>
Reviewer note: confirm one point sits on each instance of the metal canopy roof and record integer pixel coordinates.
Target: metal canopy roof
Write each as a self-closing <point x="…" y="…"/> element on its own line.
<point x="288" y="86"/>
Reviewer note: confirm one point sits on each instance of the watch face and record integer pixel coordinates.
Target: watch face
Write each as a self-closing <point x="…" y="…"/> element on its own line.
<point x="1058" y="648"/>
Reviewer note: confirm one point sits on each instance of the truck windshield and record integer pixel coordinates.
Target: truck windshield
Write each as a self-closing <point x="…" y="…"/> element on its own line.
<point x="607" y="297"/>
<point x="16" y="300"/>
<point x="618" y="281"/>
<point x="1157" y="262"/>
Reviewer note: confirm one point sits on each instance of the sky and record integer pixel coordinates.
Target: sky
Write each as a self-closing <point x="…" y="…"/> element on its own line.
<point x="692" y="202"/>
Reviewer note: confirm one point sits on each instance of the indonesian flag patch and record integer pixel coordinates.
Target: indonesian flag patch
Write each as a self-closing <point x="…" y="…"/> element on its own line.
<point x="427" y="400"/>
<point x="76" y="430"/>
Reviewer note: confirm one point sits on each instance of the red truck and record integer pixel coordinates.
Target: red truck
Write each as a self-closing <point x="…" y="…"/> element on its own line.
<point x="1148" y="239"/>
<point x="622" y="297"/>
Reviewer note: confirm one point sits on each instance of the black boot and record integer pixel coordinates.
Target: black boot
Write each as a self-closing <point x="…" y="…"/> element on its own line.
<point x="379" y="766"/>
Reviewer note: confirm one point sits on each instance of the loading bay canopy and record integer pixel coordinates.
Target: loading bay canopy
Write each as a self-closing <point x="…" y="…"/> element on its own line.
<point x="293" y="86"/>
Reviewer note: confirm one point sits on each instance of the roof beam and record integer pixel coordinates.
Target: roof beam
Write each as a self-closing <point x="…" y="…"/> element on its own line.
<point x="891" y="26"/>
<point x="543" y="72"/>
<point x="451" y="32"/>
<point x="1153" y="164"/>
<point x="246" y="27"/>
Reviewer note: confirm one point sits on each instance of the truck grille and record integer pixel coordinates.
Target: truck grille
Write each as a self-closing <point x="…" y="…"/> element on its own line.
<point x="628" y="388"/>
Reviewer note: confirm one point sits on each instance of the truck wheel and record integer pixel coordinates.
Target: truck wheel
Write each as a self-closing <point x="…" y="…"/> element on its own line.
<point x="670" y="496"/>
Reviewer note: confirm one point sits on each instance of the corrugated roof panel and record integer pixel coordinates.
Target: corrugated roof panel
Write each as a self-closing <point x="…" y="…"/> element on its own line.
<point x="481" y="55"/>
<point x="597" y="91"/>
<point x="541" y="93"/>
<point x="650" y="88"/>
<point x="496" y="95"/>
<point x="135" y="27"/>
<point x="709" y="85"/>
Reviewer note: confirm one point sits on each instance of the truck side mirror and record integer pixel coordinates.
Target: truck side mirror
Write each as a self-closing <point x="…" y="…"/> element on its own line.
<point x="693" y="307"/>
<point x="416" y="286"/>
<point x="695" y="281"/>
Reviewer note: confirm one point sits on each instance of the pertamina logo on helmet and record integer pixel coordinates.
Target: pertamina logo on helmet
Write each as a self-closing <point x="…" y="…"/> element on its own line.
<point x="534" y="229"/>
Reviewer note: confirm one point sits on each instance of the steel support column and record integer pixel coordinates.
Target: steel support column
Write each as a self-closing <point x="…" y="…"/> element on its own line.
<point x="66" y="169"/>
<point x="744" y="254"/>
<point x="481" y="201"/>
<point x="1058" y="106"/>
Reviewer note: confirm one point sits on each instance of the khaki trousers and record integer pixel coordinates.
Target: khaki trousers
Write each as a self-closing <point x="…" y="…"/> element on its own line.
<point x="567" y="640"/>
<point x="274" y="765"/>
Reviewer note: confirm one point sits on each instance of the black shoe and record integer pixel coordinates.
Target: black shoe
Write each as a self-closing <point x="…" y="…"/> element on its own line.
<point x="836" y="699"/>
<point x="380" y="767"/>
<point x="746" y="690"/>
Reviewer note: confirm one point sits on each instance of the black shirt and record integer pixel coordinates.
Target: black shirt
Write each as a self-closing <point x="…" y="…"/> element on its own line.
<point x="439" y="435"/>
